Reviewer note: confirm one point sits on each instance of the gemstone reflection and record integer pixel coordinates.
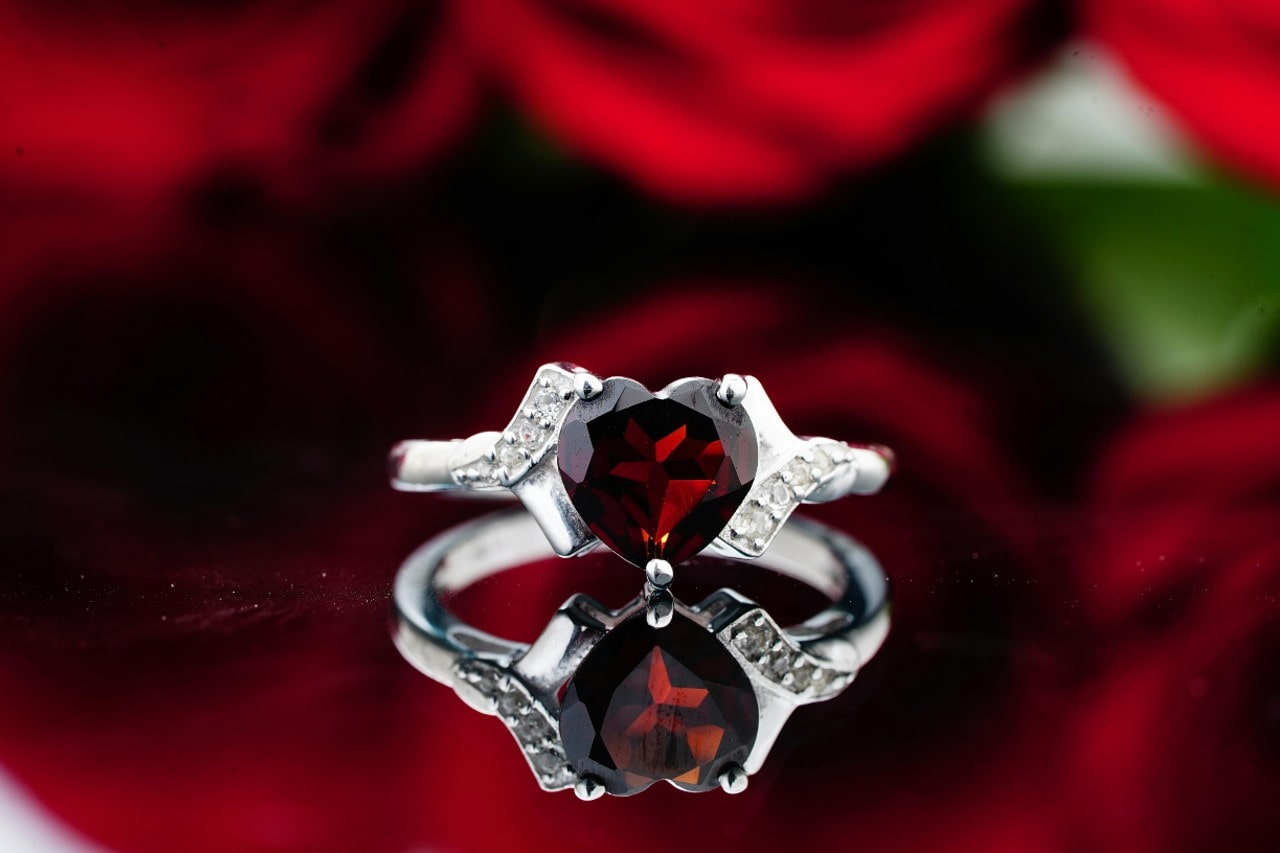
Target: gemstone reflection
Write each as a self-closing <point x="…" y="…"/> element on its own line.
<point x="649" y="704"/>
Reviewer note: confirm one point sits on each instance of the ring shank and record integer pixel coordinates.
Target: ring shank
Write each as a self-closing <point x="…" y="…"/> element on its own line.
<point x="434" y="638"/>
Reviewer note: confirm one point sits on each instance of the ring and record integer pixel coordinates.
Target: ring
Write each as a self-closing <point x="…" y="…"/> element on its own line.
<point x="701" y="464"/>
<point x="612" y="701"/>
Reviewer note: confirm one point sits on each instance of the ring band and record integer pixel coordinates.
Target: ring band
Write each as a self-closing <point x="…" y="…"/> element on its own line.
<point x="701" y="464"/>
<point x="710" y="685"/>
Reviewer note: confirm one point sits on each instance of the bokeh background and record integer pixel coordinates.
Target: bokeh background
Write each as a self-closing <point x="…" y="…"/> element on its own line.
<point x="244" y="246"/>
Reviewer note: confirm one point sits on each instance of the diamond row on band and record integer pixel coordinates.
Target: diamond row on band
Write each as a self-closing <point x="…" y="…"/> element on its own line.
<point x="527" y="438"/>
<point x="525" y="717"/>
<point x="760" y="643"/>
<point x="775" y="497"/>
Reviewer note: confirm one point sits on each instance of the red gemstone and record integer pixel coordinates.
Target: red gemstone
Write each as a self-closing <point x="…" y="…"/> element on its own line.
<point x="649" y="704"/>
<point x="657" y="477"/>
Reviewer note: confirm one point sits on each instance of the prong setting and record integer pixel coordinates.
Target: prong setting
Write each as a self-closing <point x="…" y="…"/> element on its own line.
<point x="733" y="779"/>
<point x="732" y="389"/>
<point x="659" y="609"/>
<point x="588" y="788"/>
<point x="659" y="574"/>
<point x="587" y="385"/>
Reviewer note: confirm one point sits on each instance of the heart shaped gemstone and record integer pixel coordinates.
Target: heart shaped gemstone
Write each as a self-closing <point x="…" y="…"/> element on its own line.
<point x="649" y="704"/>
<point x="657" y="477"/>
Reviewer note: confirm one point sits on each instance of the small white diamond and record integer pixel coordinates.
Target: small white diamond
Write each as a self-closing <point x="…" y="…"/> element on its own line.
<point x="547" y="401"/>
<point x="546" y="762"/>
<point x="776" y="495"/>
<point x="563" y="776"/>
<point x="485" y="680"/>
<point x="532" y="729"/>
<point x="753" y="643"/>
<point x="511" y="704"/>
<point x="778" y="664"/>
<point x="482" y="472"/>
<point x="800" y="475"/>
<point x="528" y="433"/>
<point x="510" y="457"/>
<point x="755" y="524"/>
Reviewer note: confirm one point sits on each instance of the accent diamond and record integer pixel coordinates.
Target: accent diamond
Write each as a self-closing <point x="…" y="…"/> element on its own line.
<point x="776" y="496"/>
<point x="762" y="645"/>
<point x="527" y="720"/>
<point x="527" y="438"/>
<point x="527" y="433"/>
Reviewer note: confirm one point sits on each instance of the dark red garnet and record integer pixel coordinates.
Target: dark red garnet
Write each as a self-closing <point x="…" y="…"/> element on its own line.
<point x="657" y="477"/>
<point x="649" y="704"/>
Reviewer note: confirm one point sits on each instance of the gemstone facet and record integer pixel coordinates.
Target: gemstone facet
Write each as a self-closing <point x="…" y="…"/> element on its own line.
<point x="649" y="704"/>
<point x="657" y="477"/>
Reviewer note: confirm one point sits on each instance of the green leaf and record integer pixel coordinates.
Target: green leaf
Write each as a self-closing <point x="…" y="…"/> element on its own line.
<point x="1183" y="280"/>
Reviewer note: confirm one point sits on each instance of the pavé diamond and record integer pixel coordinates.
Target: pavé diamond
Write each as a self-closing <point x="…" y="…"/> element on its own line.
<point x="511" y="704"/>
<point x="755" y="524"/>
<point x="510" y="457"/>
<point x="548" y="401"/>
<point x="763" y="645"/>
<point x="528" y="433"/>
<point x="776" y="495"/>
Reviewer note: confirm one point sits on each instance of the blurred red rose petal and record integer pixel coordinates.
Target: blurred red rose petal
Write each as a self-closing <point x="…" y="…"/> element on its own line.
<point x="748" y="101"/>
<point x="1173" y="744"/>
<point x="1174" y="747"/>
<point x="1178" y="494"/>
<point x="1214" y="62"/>
<point x="138" y="104"/>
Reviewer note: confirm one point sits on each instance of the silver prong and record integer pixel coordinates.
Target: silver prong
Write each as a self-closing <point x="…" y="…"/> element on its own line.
<point x="659" y="609"/>
<point x="587" y="385"/>
<point x="588" y="788"/>
<point x="659" y="573"/>
<point x="733" y="779"/>
<point x="732" y="389"/>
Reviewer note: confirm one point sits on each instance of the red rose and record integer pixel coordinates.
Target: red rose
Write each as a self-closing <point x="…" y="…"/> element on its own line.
<point x="747" y="101"/>
<point x="1215" y="62"/>
<point x="140" y="103"/>
<point x="1172" y="745"/>
<point x="1178" y="494"/>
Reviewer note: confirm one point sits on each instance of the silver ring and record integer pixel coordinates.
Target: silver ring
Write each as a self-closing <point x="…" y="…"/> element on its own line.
<point x="611" y="701"/>
<point x="701" y="464"/>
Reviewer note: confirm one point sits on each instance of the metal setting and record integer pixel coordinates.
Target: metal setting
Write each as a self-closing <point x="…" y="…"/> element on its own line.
<point x="589" y="788"/>
<point x="733" y="779"/>
<point x="587" y="386"/>
<point x="732" y="389"/>
<point x="786" y="667"/>
<point x="659" y="608"/>
<point x="521" y="461"/>
<point x="659" y="574"/>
